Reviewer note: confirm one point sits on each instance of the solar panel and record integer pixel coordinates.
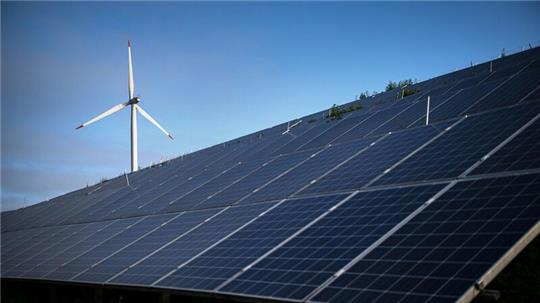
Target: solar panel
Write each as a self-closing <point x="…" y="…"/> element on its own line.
<point x="363" y="168"/>
<point x="33" y="247"/>
<point x="44" y="261"/>
<point x="107" y="200"/>
<point x="164" y="196"/>
<point x="376" y="206"/>
<point x="228" y="258"/>
<point x="447" y="248"/>
<point x="110" y="245"/>
<point x="305" y="138"/>
<point x="509" y="93"/>
<point x="471" y="81"/>
<point x="121" y="260"/>
<point x="257" y="179"/>
<point x="310" y="170"/>
<point x="153" y="267"/>
<point x="298" y="267"/>
<point x="370" y="124"/>
<point x="27" y="238"/>
<point x="521" y="153"/>
<point x="457" y="104"/>
<point x="507" y="71"/>
<point x="336" y="130"/>
<point x="403" y="119"/>
<point x="65" y="271"/>
<point x="462" y="146"/>
<point x="216" y="185"/>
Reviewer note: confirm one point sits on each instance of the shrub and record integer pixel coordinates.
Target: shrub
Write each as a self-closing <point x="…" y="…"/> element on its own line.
<point x="364" y="95"/>
<point x="335" y="113"/>
<point x="393" y="85"/>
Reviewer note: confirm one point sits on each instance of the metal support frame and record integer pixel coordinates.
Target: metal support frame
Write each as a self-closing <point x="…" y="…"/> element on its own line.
<point x="427" y="110"/>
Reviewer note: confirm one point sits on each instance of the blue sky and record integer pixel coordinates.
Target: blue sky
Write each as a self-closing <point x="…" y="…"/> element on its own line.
<point x="210" y="72"/>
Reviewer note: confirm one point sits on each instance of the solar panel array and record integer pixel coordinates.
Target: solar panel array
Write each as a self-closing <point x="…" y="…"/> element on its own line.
<point x="378" y="206"/>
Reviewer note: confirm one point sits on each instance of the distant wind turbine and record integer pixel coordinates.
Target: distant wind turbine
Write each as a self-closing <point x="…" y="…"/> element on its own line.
<point x="135" y="107"/>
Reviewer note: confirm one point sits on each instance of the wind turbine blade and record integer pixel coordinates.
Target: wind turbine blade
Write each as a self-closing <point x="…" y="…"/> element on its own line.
<point x="109" y="112"/>
<point x="131" y="85"/>
<point x="149" y="118"/>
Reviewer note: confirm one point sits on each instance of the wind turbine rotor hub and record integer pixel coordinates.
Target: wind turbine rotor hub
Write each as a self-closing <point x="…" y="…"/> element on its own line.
<point x="134" y="100"/>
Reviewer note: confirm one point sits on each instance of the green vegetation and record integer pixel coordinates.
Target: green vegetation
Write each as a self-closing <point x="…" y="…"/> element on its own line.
<point x="364" y="95"/>
<point x="409" y="91"/>
<point x="353" y="108"/>
<point x="403" y="85"/>
<point x="393" y="85"/>
<point x="336" y="113"/>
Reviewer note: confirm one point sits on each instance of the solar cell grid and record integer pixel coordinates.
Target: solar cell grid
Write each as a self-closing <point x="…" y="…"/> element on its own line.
<point x="172" y="193"/>
<point x="220" y="183"/>
<point x="445" y="249"/>
<point x="507" y="71"/>
<point x="189" y="245"/>
<point x="15" y="241"/>
<point x="305" y="138"/>
<point x="455" y="105"/>
<point x="246" y="186"/>
<point x="310" y="170"/>
<point x="509" y="93"/>
<point x="89" y="204"/>
<point x="42" y="263"/>
<point x="68" y="270"/>
<point x="114" y="244"/>
<point x="469" y="82"/>
<point x="33" y="247"/>
<point x="31" y="216"/>
<point x="220" y="263"/>
<point x="532" y="96"/>
<point x="111" y="199"/>
<point x="121" y="261"/>
<point x="370" y="124"/>
<point x="336" y="130"/>
<point x="271" y="148"/>
<point x="522" y="153"/>
<point x="363" y="168"/>
<point x="64" y="206"/>
<point x="299" y="266"/>
<point x="405" y="118"/>
<point x="462" y="146"/>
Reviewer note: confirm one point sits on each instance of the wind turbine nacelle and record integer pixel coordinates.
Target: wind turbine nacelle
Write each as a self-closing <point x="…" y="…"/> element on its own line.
<point x="134" y="100"/>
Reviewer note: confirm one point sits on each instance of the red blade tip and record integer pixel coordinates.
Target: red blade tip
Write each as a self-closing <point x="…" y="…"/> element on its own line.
<point x="170" y="136"/>
<point x="129" y="43"/>
<point x="80" y="126"/>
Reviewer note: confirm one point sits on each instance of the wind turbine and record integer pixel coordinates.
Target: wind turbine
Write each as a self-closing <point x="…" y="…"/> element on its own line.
<point x="135" y="107"/>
